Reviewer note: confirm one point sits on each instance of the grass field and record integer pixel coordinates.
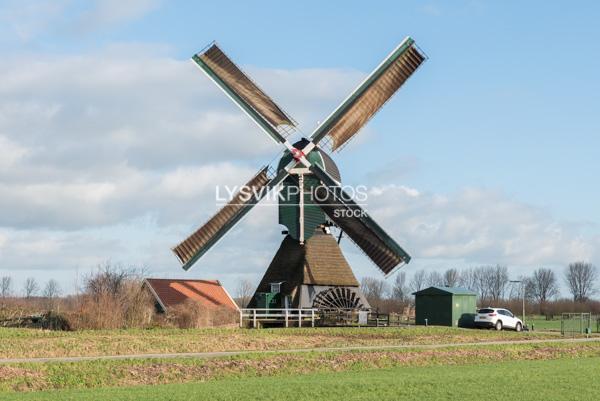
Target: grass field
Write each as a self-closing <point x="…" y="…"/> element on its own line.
<point x="379" y="373"/>
<point x="541" y="324"/>
<point x="20" y="343"/>
<point x="563" y="379"/>
<point x="122" y="373"/>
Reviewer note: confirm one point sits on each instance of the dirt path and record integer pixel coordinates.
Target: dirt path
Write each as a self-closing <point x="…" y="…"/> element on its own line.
<point x="297" y="350"/>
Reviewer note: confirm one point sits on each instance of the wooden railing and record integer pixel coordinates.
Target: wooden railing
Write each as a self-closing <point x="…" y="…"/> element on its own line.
<point x="258" y="316"/>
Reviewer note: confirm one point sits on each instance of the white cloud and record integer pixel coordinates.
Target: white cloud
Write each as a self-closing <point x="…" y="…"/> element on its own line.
<point x="109" y="12"/>
<point x="477" y="226"/>
<point x="116" y="155"/>
<point x="10" y="153"/>
<point x="29" y="20"/>
<point x="309" y="95"/>
<point x="104" y="138"/>
<point x="197" y="181"/>
<point x="53" y="250"/>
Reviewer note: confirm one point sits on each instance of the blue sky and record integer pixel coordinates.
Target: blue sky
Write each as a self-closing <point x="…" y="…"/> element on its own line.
<point x="488" y="153"/>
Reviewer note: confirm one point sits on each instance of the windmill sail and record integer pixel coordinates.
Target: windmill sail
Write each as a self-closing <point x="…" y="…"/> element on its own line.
<point x="357" y="224"/>
<point x="243" y="91"/>
<point x="340" y="127"/>
<point x="206" y="236"/>
<point x="371" y="94"/>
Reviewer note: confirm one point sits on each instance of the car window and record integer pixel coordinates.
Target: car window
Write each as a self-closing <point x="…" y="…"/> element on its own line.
<point x="509" y="313"/>
<point x="486" y="310"/>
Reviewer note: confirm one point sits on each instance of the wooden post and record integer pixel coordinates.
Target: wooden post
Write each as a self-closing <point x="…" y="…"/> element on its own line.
<point x="241" y="318"/>
<point x="299" y="317"/>
<point x="301" y="206"/>
<point x="286" y="318"/>
<point x="312" y="317"/>
<point x="254" y="317"/>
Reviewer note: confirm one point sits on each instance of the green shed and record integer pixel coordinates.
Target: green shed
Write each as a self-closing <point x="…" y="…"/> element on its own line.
<point x="445" y="306"/>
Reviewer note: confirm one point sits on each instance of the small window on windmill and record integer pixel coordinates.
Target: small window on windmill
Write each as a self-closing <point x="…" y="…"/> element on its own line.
<point x="276" y="287"/>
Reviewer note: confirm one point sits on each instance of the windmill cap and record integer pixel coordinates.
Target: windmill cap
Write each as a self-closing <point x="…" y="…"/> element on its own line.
<point x="316" y="156"/>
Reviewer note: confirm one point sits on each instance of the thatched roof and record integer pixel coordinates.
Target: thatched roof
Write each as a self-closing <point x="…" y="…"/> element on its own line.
<point x="318" y="262"/>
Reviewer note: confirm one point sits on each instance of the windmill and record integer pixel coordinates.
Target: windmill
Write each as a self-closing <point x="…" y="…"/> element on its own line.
<point x="309" y="269"/>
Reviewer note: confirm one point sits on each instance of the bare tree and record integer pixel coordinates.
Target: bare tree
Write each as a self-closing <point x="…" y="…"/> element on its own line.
<point x="114" y="296"/>
<point x="497" y="281"/>
<point x="435" y="279"/>
<point x="399" y="290"/>
<point x="52" y="289"/>
<point x="481" y="282"/>
<point x="468" y="279"/>
<point x="375" y="290"/>
<point x="542" y="285"/>
<point x="417" y="281"/>
<point x="108" y="279"/>
<point x="5" y="286"/>
<point x="581" y="278"/>
<point x="490" y="282"/>
<point x="31" y="287"/>
<point x="451" y="278"/>
<point x="243" y="292"/>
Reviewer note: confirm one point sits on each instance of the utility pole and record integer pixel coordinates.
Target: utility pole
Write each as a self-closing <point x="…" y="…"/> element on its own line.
<point x="522" y="282"/>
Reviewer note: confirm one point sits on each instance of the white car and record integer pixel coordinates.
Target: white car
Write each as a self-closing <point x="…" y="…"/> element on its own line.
<point x="497" y="318"/>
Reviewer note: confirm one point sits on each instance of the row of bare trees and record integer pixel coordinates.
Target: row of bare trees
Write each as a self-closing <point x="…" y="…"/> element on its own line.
<point x="111" y="297"/>
<point x="491" y="283"/>
<point x="31" y="288"/>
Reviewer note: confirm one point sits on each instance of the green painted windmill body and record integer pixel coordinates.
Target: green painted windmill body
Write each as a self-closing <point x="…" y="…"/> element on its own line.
<point x="303" y="216"/>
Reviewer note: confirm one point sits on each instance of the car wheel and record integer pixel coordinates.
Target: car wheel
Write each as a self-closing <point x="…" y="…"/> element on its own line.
<point x="498" y="325"/>
<point x="519" y="327"/>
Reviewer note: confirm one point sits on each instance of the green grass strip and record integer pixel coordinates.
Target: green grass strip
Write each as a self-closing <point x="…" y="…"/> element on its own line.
<point x="563" y="379"/>
<point x="25" y="377"/>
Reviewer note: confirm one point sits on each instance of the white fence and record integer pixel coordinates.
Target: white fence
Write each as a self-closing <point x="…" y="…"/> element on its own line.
<point x="285" y="316"/>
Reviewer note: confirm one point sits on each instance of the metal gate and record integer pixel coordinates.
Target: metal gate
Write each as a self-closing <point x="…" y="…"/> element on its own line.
<point x="576" y="324"/>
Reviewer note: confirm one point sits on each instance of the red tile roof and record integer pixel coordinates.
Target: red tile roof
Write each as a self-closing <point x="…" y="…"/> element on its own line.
<point x="170" y="292"/>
